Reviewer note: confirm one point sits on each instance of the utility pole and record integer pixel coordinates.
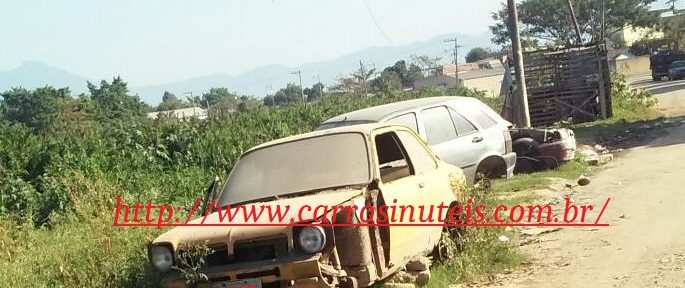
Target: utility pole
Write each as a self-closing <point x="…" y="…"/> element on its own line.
<point x="456" y="57"/>
<point x="604" y="8"/>
<point x="299" y="74"/>
<point x="362" y="75"/>
<point x="522" y="114"/>
<point x="318" y="79"/>
<point x="575" y="23"/>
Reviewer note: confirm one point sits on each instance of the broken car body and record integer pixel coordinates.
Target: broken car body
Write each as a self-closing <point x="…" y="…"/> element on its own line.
<point x="369" y="164"/>
<point x="542" y="148"/>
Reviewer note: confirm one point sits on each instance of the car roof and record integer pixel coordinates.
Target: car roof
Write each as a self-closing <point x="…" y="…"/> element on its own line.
<point x="365" y="129"/>
<point x="377" y="113"/>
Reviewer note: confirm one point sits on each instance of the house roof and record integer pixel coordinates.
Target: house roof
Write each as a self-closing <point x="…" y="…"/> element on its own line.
<point x="473" y="74"/>
<point x="181" y="113"/>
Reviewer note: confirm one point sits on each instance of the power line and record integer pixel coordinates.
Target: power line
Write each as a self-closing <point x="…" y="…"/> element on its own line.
<point x="375" y="21"/>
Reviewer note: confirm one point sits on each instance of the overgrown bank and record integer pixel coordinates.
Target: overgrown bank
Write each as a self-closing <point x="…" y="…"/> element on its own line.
<point x="58" y="183"/>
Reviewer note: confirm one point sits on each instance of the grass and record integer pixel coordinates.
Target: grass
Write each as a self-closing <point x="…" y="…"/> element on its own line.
<point x="72" y="180"/>
<point x="484" y="254"/>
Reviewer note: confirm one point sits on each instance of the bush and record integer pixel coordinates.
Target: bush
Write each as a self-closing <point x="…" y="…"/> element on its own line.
<point x="629" y="102"/>
<point x="57" y="189"/>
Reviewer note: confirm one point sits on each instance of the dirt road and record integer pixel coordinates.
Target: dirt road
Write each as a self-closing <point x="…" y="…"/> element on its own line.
<point x="644" y="246"/>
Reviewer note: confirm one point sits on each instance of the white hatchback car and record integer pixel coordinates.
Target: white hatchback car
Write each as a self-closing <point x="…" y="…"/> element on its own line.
<point x="463" y="131"/>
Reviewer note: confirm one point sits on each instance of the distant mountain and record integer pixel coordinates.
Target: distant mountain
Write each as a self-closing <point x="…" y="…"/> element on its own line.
<point x="257" y="82"/>
<point x="33" y="74"/>
<point x="268" y="79"/>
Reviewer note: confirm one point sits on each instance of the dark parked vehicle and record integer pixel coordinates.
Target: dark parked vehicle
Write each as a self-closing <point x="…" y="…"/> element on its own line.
<point x="660" y="62"/>
<point x="677" y="70"/>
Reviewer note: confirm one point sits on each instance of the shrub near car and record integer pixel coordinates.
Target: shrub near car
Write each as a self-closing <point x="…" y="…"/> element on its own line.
<point x="370" y="164"/>
<point x="462" y="131"/>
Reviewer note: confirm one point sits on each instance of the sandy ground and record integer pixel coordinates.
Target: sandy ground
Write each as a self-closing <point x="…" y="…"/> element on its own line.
<point x="644" y="246"/>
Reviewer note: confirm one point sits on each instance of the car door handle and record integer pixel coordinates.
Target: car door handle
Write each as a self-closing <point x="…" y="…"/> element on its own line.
<point x="477" y="139"/>
<point x="421" y="185"/>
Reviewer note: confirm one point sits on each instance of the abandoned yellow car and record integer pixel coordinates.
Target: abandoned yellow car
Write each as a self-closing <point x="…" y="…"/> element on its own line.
<point x="375" y="166"/>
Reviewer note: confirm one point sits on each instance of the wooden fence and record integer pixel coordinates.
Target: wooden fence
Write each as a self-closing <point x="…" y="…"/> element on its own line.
<point x="570" y="83"/>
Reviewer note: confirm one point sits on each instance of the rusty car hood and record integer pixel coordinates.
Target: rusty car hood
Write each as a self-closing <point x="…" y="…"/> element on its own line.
<point x="229" y="234"/>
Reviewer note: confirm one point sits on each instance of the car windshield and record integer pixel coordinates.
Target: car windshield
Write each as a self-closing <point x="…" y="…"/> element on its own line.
<point x="678" y="64"/>
<point x="327" y="161"/>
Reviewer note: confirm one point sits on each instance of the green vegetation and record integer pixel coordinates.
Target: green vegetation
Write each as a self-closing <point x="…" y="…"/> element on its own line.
<point x="547" y="21"/>
<point x="483" y="252"/>
<point x="62" y="165"/>
<point x="631" y="107"/>
<point x="64" y="160"/>
<point x="479" y="53"/>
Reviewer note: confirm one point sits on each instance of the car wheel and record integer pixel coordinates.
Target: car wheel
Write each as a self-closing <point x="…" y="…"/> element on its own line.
<point x="448" y="247"/>
<point x="656" y="78"/>
<point x="451" y="240"/>
<point x="492" y="167"/>
<point x="482" y="182"/>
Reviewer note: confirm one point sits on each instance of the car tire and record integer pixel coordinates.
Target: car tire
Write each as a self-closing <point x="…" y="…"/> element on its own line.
<point x="525" y="147"/>
<point x="656" y="78"/>
<point x="451" y="240"/>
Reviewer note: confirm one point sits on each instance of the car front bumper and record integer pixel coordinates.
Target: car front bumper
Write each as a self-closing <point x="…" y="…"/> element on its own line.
<point x="287" y="272"/>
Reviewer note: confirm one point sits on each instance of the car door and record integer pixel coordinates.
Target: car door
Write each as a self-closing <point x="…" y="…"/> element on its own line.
<point x="433" y="186"/>
<point x="455" y="139"/>
<point x="404" y="189"/>
<point x="406" y="119"/>
<point x="491" y="131"/>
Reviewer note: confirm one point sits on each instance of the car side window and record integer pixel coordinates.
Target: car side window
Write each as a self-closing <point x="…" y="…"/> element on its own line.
<point x="392" y="158"/>
<point x="439" y="126"/>
<point x="479" y="116"/>
<point x="408" y="120"/>
<point x="420" y="158"/>
<point x="464" y="127"/>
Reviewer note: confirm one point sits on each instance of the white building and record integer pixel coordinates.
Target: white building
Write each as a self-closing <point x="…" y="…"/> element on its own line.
<point x="184" y="113"/>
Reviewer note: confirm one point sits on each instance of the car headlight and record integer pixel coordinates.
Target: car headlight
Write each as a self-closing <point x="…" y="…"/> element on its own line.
<point x="161" y="258"/>
<point x="312" y="239"/>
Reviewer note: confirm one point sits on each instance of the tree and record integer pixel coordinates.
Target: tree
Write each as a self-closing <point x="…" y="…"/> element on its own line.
<point x="36" y="109"/>
<point x="290" y="94"/>
<point x="478" y="53"/>
<point x="549" y="21"/>
<point x="112" y="101"/>
<point x="362" y="76"/>
<point x="315" y="92"/>
<point x="219" y="96"/>
<point x="406" y="76"/>
<point x="428" y="65"/>
<point x="414" y="74"/>
<point x="388" y="81"/>
<point x="170" y="102"/>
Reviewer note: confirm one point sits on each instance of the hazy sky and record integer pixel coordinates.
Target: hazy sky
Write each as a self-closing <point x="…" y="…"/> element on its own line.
<point x="159" y="41"/>
<point x="153" y="42"/>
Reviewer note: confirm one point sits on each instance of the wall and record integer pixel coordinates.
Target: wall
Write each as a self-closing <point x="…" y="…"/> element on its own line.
<point x="637" y="66"/>
<point x="491" y="84"/>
